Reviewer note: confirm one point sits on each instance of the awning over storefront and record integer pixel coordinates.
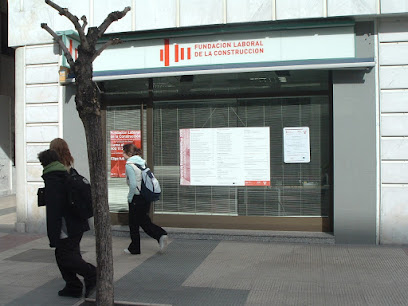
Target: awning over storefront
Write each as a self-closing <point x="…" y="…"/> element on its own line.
<point x="318" y="46"/>
<point x="330" y="64"/>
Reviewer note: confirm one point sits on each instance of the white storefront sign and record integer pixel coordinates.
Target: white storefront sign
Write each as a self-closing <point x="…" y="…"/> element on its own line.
<point x="225" y="157"/>
<point x="296" y="145"/>
<point x="216" y="51"/>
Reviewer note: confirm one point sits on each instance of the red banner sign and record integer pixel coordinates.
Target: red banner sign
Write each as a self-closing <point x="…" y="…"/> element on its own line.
<point x="117" y="140"/>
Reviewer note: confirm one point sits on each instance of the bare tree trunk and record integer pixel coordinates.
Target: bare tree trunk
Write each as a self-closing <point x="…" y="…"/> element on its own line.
<point x="89" y="109"/>
<point x="88" y="106"/>
<point x="103" y="235"/>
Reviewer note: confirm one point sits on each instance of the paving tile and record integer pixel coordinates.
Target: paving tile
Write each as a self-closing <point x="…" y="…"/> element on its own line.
<point x="160" y="278"/>
<point x="392" y="294"/>
<point x="21" y="268"/>
<point x="45" y="295"/>
<point x="344" y="294"/>
<point x="11" y="241"/>
<point x="204" y="272"/>
<point x="288" y="293"/>
<point x="8" y="293"/>
<point x="35" y="255"/>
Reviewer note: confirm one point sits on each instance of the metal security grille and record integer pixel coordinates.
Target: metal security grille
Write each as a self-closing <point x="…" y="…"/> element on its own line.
<point x="119" y="118"/>
<point x="296" y="189"/>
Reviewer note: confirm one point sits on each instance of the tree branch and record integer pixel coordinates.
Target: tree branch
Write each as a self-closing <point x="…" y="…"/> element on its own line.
<point x="85" y="22"/>
<point x="114" y="41"/>
<point x="75" y="21"/>
<point x="62" y="45"/>
<point x="114" y="16"/>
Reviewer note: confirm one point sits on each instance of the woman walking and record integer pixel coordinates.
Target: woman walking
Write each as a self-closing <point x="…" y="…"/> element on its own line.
<point x="65" y="228"/>
<point x="138" y="207"/>
<point x="68" y="253"/>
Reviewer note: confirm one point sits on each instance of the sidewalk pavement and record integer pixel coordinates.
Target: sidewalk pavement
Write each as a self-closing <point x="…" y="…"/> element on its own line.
<point x="215" y="272"/>
<point x="7" y="213"/>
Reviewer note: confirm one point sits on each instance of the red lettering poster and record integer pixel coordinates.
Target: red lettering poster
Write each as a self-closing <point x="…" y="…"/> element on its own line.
<point x="117" y="140"/>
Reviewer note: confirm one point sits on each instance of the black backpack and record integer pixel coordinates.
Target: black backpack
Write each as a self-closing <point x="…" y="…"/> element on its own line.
<point x="79" y="194"/>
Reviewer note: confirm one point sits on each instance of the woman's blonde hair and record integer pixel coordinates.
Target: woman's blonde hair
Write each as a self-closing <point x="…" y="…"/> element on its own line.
<point x="60" y="146"/>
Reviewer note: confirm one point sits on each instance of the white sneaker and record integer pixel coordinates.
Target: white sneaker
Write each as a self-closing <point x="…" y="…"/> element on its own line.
<point x="126" y="251"/>
<point x="163" y="243"/>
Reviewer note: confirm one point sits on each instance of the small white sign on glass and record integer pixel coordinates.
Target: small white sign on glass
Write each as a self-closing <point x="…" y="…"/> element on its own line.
<point x="296" y="145"/>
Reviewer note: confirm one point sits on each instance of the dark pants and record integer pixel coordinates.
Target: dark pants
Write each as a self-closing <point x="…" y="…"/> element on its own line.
<point x="70" y="263"/>
<point x="139" y="216"/>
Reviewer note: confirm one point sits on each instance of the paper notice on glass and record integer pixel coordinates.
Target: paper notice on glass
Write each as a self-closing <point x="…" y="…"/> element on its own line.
<point x="296" y="145"/>
<point x="225" y="157"/>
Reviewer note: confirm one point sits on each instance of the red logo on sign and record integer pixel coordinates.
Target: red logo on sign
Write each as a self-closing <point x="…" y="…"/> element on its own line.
<point x="179" y="53"/>
<point x="70" y="50"/>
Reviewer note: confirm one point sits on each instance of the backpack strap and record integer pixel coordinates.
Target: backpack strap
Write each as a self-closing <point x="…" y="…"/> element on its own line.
<point x="138" y="180"/>
<point x="140" y="167"/>
<point x="73" y="171"/>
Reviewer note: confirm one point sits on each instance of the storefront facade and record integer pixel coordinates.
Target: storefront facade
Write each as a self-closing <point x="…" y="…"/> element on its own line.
<point x="268" y="123"/>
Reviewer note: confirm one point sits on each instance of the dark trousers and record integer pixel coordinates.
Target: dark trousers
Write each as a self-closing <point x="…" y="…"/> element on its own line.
<point x="70" y="263"/>
<point x="139" y="216"/>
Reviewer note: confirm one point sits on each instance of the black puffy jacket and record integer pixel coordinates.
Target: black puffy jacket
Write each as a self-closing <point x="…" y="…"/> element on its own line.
<point x="57" y="206"/>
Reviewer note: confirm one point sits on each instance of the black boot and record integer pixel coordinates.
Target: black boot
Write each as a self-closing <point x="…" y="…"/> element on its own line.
<point x="75" y="293"/>
<point x="90" y="281"/>
<point x="90" y="288"/>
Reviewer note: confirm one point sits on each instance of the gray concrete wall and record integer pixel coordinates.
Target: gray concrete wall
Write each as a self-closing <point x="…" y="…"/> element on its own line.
<point x="355" y="156"/>
<point x="7" y="97"/>
<point x="5" y="146"/>
<point x="74" y="132"/>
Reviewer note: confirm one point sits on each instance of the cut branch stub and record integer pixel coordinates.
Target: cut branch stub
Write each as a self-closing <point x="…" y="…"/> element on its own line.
<point x="114" y="16"/>
<point x="85" y="22"/>
<point x="75" y="21"/>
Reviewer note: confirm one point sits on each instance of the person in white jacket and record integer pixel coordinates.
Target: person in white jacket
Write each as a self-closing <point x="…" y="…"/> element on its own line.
<point x="138" y="207"/>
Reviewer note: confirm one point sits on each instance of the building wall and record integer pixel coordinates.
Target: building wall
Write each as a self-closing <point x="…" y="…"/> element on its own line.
<point x="355" y="153"/>
<point x="7" y="181"/>
<point x="6" y="124"/>
<point x="74" y="132"/>
<point x="39" y="102"/>
<point x="355" y="156"/>
<point x="5" y="146"/>
<point x="393" y="60"/>
<point x="26" y="16"/>
<point x="38" y="121"/>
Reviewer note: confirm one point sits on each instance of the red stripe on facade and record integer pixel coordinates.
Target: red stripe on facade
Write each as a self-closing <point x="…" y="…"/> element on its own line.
<point x="70" y="46"/>
<point x="176" y="53"/>
<point x="188" y="53"/>
<point x="182" y="53"/>
<point x="166" y="52"/>
<point x="161" y="55"/>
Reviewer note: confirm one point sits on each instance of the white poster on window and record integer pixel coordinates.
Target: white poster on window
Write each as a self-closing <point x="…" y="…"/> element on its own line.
<point x="296" y="145"/>
<point x="225" y="157"/>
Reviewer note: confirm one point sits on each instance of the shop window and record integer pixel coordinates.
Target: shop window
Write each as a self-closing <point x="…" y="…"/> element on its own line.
<point x="120" y="118"/>
<point x="296" y="189"/>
